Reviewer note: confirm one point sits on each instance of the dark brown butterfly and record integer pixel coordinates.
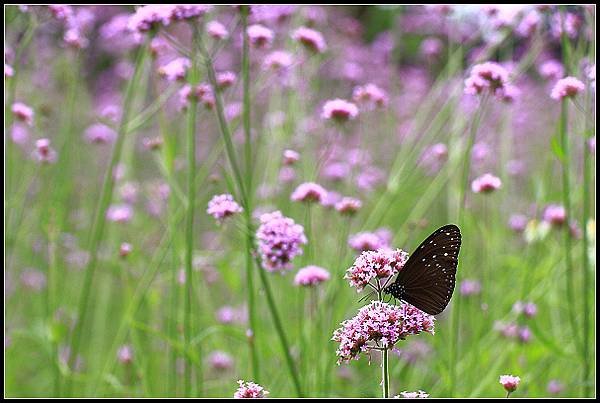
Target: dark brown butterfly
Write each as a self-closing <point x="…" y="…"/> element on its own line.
<point x="427" y="280"/>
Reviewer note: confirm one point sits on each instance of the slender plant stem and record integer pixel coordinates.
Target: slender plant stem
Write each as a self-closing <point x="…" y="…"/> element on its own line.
<point x="385" y="381"/>
<point x="97" y="228"/>
<point x="244" y="10"/>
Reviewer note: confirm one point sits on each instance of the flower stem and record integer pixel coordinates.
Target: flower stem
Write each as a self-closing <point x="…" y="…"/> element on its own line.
<point x="385" y="382"/>
<point x="97" y="228"/>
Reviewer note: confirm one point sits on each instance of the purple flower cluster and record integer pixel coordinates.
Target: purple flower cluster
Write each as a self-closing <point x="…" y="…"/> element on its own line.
<point x="379" y="264"/>
<point x="311" y="276"/>
<point x="309" y="192"/>
<point x="379" y="325"/>
<point x="488" y="76"/>
<point x="250" y="390"/>
<point x="279" y="240"/>
<point x="567" y="87"/>
<point x="223" y="206"/>
<point x="339" y="110"/>
<point x="364" y="241"/>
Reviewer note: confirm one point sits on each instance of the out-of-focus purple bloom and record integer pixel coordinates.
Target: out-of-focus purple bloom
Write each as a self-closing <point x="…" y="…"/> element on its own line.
<point x="19" y="134"/>
<point x="33" y="279"/>
<point x="182" y="12"/>
<point x="287" y="174"/>
<point x="8" y="70"/>
<point x="571" y="24"/>
<point x="339" y="110"/>
<point x="311" y="276"/>
<point x="202" y="92"/>
<point x="121" y="213"/>
<point x="223" y="206"/>
<point x="555" y="387"/>
<point x="529" y="24"/>
<point x="176" y="69"/>
<point x="228" y="315"/>
<point x="524" y="334"/>
<point x="249" y="390"/>
<point x="44" y="153"/>
<point x="567" y="87"/>
<point x="379" y="324"/>
<point x="434" y="157"/>
<point x="555" y="214"/>
<point x="364" y="241"/>
<point x="311" y="39"/>
<point x="370" y="94"/>
<point x="125" y="354"/>
<point x="290" y="157"/>
<point x="348" y="205"/>
<point x="470" y="287"/>
<point x="260" y="36"/>
<point x="125" y="249"/>
<point x="486" y="76"/>
<point x="516" y="167"/>
<point x="146" y="18"/>
<point x="431" y="48"/>
<point x="278" y="60"/>
<point x="216" y="30"/>
<point x="309" y="192"/>
<point x="486" y="183"/>
<point x="336" y="171"/>
<point x="551" y="70"/>
<point x="220" y="360"/>
<point x="413" y="352"/>
<point x="279" y="240"/>
<point x="23" y="113"/>
<point x="99" y="133"/>
<point x="226" y="79"/>
<point x="509" y="382"/>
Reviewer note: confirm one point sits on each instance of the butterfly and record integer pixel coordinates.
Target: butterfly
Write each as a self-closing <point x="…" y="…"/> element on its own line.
<point x="428" y="277"/>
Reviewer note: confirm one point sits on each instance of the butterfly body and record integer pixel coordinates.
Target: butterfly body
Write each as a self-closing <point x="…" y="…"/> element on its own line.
<point x="428" y="278"/>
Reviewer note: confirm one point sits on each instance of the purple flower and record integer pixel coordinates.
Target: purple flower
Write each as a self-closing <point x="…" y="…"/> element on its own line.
<point x="311" y="276"/>
<point x="379" y="325"/>
<point x="220" y="360"/>
<point x="375" y="265"/>
<point x="278" y="60"/>
<point x="279" y="240"/>
<point x="309" y="192"/>
<point x="364" y="241"/>
<point x="181" y="12"/>
<point x="290" y="157"/>
<point x="555" y="387"/>
<point x="176" y="69"/>
<point x="226" y="79"/>
<point x="250" y="390"/>
<point x="223" y="206"/>
<point x="567" y="87"/>
<point x="8" y="71"/>
<point x="509" y="382"/>
<point x="216" y="30"/>
<point x="100" y="134"/>
<point x="260" y="36"/>
<point x="44" y="153"/>
<point x="125" y="249"/>
<point x="518" y="222"/>
<point x="125" y="354"/>
<point x="551" y="70"/>
<point x="33" y="279"/>
<point x="147" y="17"/>
<point x="486" y="183"/>
<point x="23" y="113"/>
<point x="339" y="110"/>
<point x="470" y="287"/>
<point x="555" y="214"/>
<point x="310" y="38"/>
<point x="486" y="76"/>
<point x="119" y="213"/>
<point x="348" y="205"/>
<point x="370" y="94"/>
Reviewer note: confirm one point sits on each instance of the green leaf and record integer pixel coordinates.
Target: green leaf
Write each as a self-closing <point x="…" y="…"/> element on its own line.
<point x="557" y="148"/>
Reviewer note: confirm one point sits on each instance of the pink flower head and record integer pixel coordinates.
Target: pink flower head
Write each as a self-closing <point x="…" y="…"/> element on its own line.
<point x="433" y="158"/>
<point x="551" y="70"/>
<point x="470" y="287"/>
<point x="290" y="157"/>
<point x="62" y="12"/>
<point x="33" y="279"/>
<point x="413" y="395"/>
<point x="311" y="276"/>
<point x="75" y="39"/>
<point x="23" y="113"/>
<point x="309" y="192"/>
<point x="125" y="249"/>
<point x="311" y="39"/>
<point x="8" y="70"/>
<point x="555" y="214"/>
<point x="202" y="92"/>
<point x="176" y="69"/>
<point x="370" y="94"/>
<point x="509" y="93"/>
<point x="216" y="30"/>
<point x="431" y="48"/>
<point x="228" y="315"/>
<point x="250" y="390"/>
<point x="99" y="133"/>
<point x="524" y="334"/>
<point x="348" y="205"/>
<point x="488" y="75"/>
<point x="220" y="360"/>
<point x="120" y="213"/>
<point x="567" y="87"/>
<point x="375" y="265"/>
<point x="486" y="183"/>
<point x="182" y="12"/>
<point x="518" y="222"/>
<point x="529" y="24"/>
<point x="509" y="382"/>
<point x="279" y="241"/>
<point x="260" y="36"/>
<point x="125" y="354"/>
<point x="223" y="206"/>
<point x="278" y="60"/>
<point x="379" y="325"/>
<point x="146" y="18"/>
<point x="364" y="241"/>
<point x="555" y="387"/>
<point x="339" y="110"/>
<point x="44" y="152"/>
<point x="287" y="174"/>
<point x="225" y="79"/>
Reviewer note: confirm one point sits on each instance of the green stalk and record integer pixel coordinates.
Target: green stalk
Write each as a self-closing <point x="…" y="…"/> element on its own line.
<point x="385" y="374"/>
<point x="231" y="156"/>
<point x="97" y="228"/>
<point x="564" y="139"/>
<point x="189" y="232"/>
<point x="244" y="10"/>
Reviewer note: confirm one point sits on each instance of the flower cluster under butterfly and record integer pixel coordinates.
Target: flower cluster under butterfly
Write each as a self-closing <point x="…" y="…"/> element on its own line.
<point x="428" y="278"/>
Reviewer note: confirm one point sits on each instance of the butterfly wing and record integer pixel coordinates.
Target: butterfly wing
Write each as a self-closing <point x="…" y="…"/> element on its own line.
<point x="427" y="280"/>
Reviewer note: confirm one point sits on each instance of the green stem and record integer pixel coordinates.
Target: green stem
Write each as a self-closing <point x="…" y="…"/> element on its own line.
<point x="244" y="10"/>
<point x="97" y="228"/>
<point x="385" y="382"/>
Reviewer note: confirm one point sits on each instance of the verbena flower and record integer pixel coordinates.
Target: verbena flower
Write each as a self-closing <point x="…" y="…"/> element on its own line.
<point x="125" y="354"/>
<point x="290" y="157"/>
<point x="220" y="360"/>
<point x="278" y="60"/>
<point x="223" y="206"/>
<point x="370" y="94"/>
<point x="119" y="213"/>
<point x="23" y="112"/>
<point x="44" y="153"/>
<point x="146" y="18"/>
<point x="348" y="205"/>
<point x="99" y="133"/>
<point x="551" y="70"/>
<point x="176" y="69"/>
<point x="260" y="36"/>
<point x="509" y="382"/>
<point x="311" y="39"/>
<point x="364" y="241"/>
<point x="486" y="183"/>
<point x="488" y="76"/>
<point x="216" y="30"/>
<point x="470" y="287"/>
<point x="518" y="222"/>
<point x="567" y="87"/>
<point x="309" y="192"/>
<point x="311" y="276"/>
<point x="280" y="239"/>
<point x="250" y="390"/>
<point x="339" y="110"/>
<point x="379" y="325"/>
<point x="375" y="265"/>
<point x="555" y="215"/>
